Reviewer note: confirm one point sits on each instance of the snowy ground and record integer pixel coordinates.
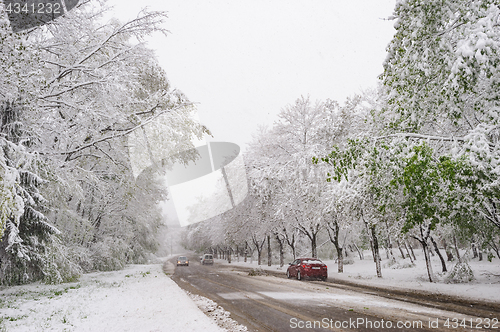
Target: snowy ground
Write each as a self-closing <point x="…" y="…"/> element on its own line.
<point x="143" y="298"/>
<point x="485" y="287"/>
<point x="138" y="298"/>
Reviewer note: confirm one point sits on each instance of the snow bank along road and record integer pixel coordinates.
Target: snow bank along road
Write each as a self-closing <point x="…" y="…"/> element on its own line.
<point x="274" y="303"/>
<point x="140" y="298"/>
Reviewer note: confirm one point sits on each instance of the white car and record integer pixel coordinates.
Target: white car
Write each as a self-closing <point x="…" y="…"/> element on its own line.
<point x="182" y="260"/>
<point x="207" y="259"/>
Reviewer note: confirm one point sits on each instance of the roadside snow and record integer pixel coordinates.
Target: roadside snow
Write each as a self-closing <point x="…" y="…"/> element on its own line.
<point x="403" y="276"/>
<point x="138" y="298"/>
<point x="217" y="313"/>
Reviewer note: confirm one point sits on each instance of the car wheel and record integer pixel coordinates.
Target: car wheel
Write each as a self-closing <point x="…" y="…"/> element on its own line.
<point x="299" y="277"/>
<point x="288" y="274"/>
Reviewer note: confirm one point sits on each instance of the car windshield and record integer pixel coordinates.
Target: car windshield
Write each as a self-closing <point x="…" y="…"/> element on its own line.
<point x="182" y="258"/>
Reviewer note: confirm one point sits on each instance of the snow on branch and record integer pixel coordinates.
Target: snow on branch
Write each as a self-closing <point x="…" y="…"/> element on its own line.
<point x="138" y="27"/>
<point x="76" y="86"/>
<point x="421" y="136"/>
<point x="117" y="135"/>
<point x="429" y="137"/>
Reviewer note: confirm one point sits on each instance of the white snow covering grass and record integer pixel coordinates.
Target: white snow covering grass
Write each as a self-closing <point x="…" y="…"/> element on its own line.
<point x="404" y="276"/>
<point x="138" y="298"/>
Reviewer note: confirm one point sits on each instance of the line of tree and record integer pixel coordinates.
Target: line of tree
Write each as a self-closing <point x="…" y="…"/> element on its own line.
<point x="415" y="161"/>
<point x="70" y="94"/>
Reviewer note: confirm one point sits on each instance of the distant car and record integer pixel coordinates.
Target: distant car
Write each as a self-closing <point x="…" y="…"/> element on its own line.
<point x="307" y="268"/>
<point x="182" y="260"/>
<point x="207" y="259"/>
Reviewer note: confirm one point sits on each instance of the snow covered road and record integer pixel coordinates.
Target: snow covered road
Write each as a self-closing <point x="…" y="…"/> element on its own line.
<point x="267" y="301"/>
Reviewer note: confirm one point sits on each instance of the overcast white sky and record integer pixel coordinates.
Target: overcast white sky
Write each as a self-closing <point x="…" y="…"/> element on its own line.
<point x="242" y="61"/>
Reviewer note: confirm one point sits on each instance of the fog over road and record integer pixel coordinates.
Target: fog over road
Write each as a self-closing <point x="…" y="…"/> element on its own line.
<point x="275" y="303"/>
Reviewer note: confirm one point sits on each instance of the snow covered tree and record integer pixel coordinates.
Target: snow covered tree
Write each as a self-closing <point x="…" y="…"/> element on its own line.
<point x="27" y="230"/>
<point x="442" y="76"/>
<point x="79" y="89"/>
<point x="356" y="168"/>
<point x="283" y="173"/>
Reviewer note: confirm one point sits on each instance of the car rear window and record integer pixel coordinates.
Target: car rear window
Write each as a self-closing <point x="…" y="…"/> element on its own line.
<point x="312" y="261"/>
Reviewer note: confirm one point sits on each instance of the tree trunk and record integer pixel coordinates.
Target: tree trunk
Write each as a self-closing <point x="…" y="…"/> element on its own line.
<point x="269" y="253"/>
<point x="431" y="250"/>
<point x="408" y="252"/>
<point x="427" y="260"/>
<point x="294" y="251"/>
<point x="314" y="245"/>
<point x="494" y="247"/>
<point x="312" y="234"/>
<point x="412" y="253"/>
<point x="360" y="253"/>
<point x="389" y="243"/>
<point x="282" y="253"/>
<point x="436" y="249"/>
<point x="371" y="241"/>
<point x="340" y="257"/>
<point x="376" y="252"/>
<point x="291" y="243"/>
<point x="447" y="250"/>
<point x="474" y="250"/>
<point x="340" y="261"/>
<point x="424" y="235"/>
<point x="333" y="233"/>
<point x="259" y="247"/>
<point x="246" y="251"/>
<point x="456" y="249"/>
<point x="400" y="249"/>
<point x="229" y="254"/>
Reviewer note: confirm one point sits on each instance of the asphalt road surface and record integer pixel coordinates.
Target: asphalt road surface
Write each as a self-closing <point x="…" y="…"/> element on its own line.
<point x="275" y="303"/>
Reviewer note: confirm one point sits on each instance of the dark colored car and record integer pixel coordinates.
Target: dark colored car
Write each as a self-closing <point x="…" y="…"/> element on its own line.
<point x="182" y="260"/>
<point x="307" y="268"/>
<point x="207" y="259"/>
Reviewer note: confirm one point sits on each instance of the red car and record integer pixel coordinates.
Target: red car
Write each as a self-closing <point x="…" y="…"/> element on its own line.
<point x="307" y="268"/>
